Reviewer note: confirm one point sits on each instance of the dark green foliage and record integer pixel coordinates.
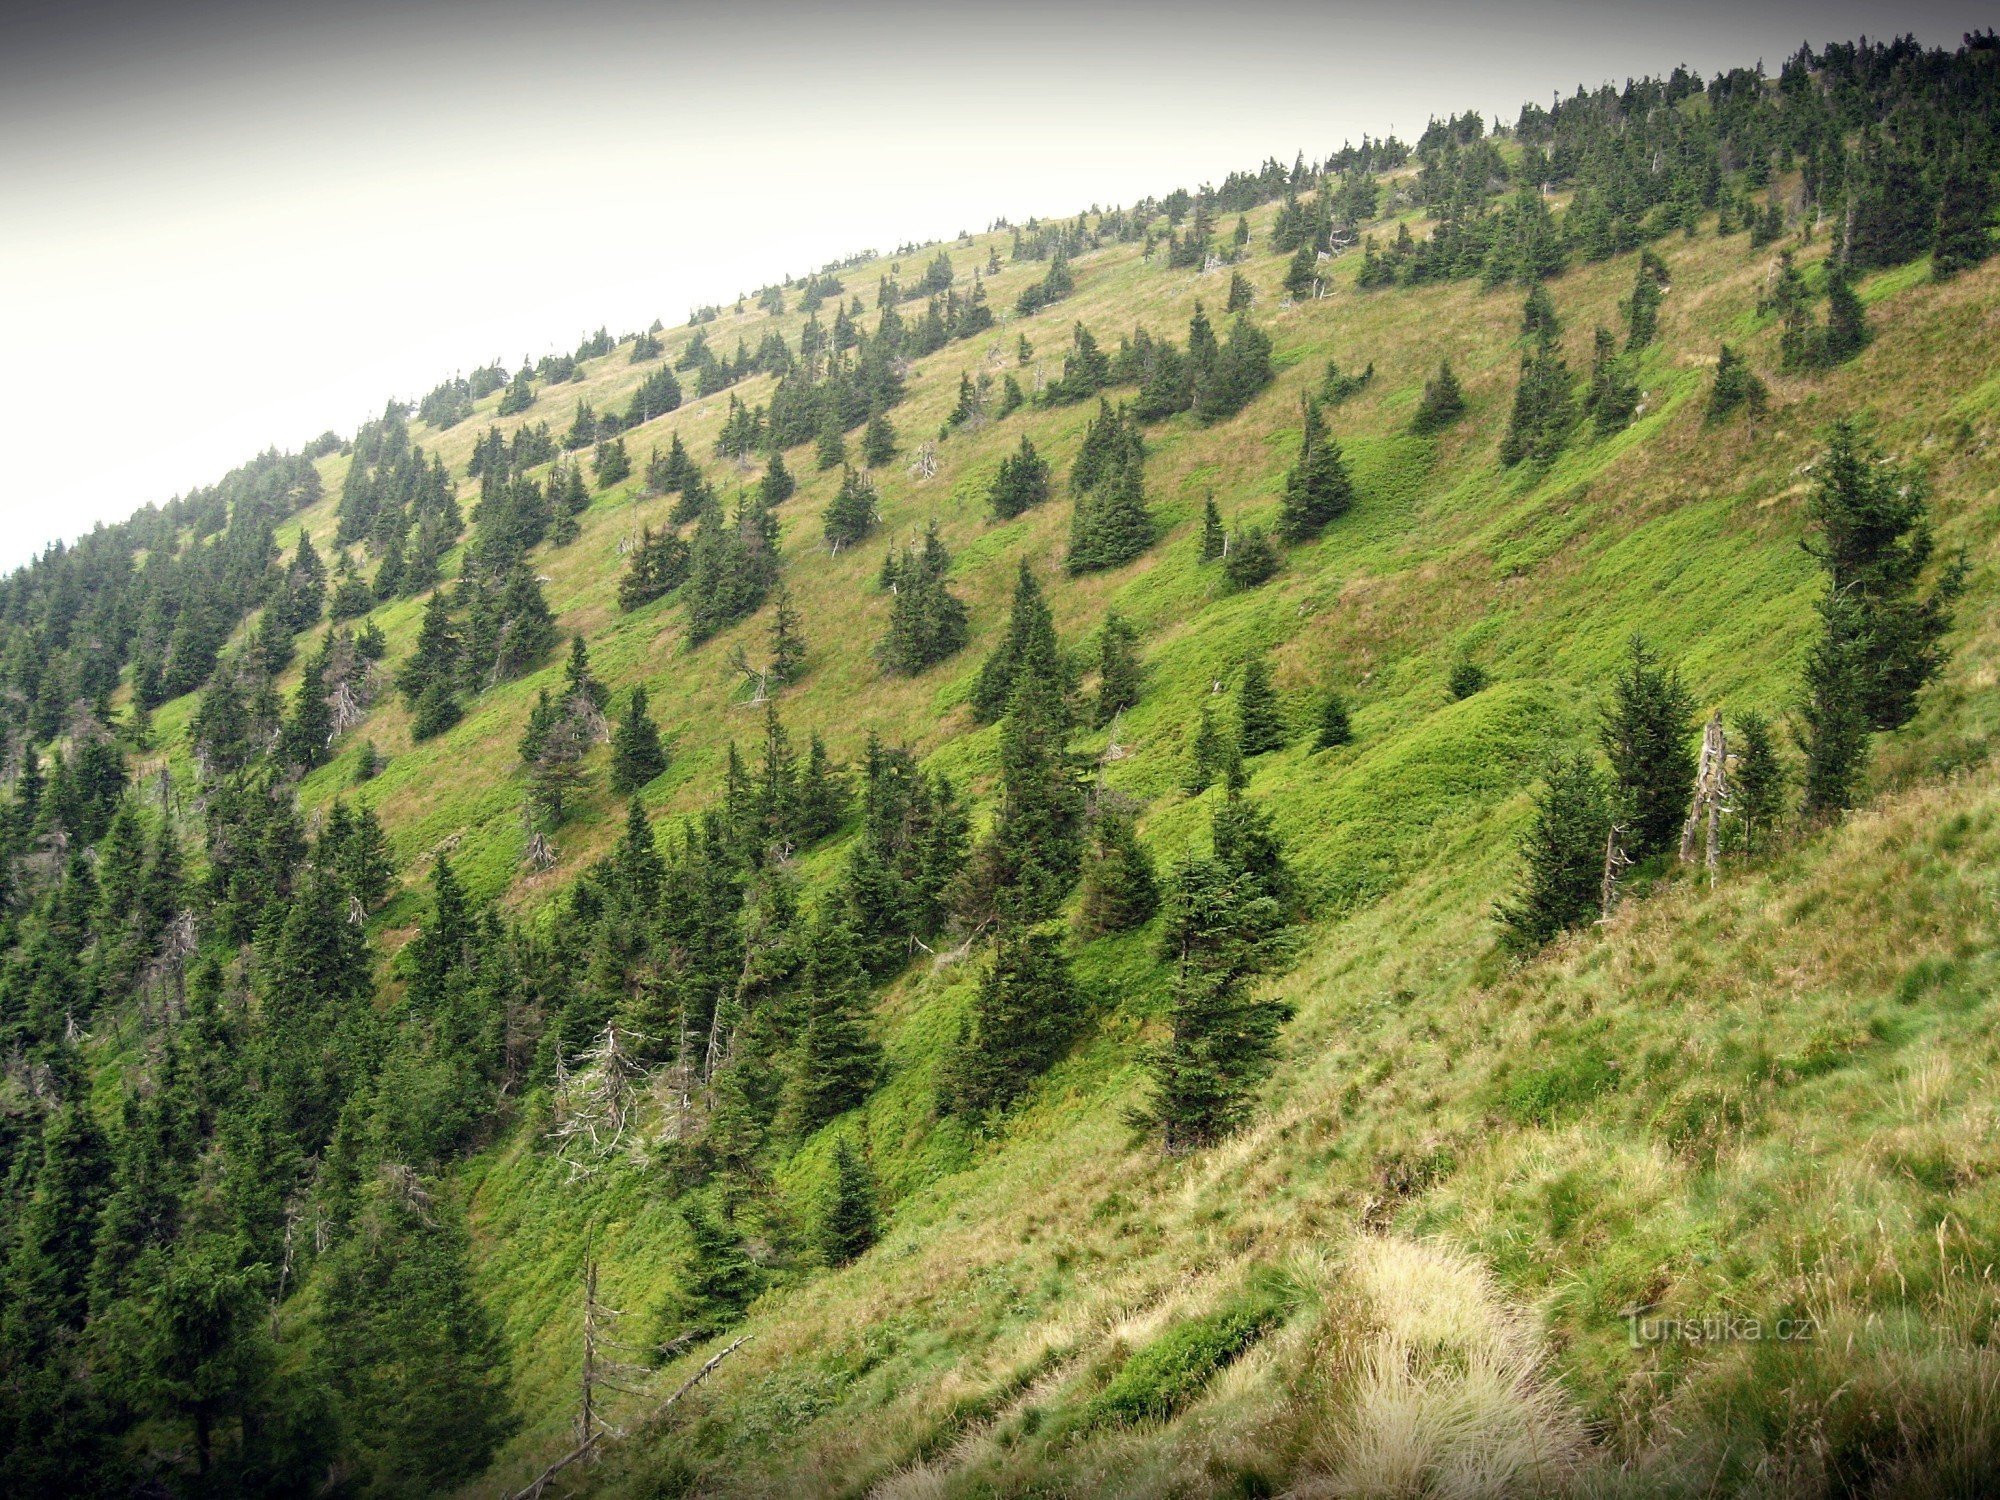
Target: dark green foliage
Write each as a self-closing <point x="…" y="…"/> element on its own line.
<point x="1119" y="676"/>
<point x="1612" y="396"/>
<point x="1260" y="726"/>
<point x="1562" y="852"/>
<point x="1538" y="316"/>
<point x="637" y="756"/>
<point x="1756" y="780"/>
<point x="1023" y="1017"/>
<point x="912" y="849"/>
<point x="417" y="1367"/>
<point x="1544" y="408"/>
<point x="830" y="444"/>
<point x="658" y="394"/>
<point x="1318" y="489"/>
<point x="1872" y="535"/>
<point x="1467" y="677"/>
<point x="1036" y="846"/>
<point x="1120" y="887"/>
<point x="788" y="642"/>
<point x="717" y="1280"/>
<point x="1832" y="726"/>
<point x="1303" y="273"/>
<point x="1963" y="237"/>
<point x="655" y="568"/>
<point x="1021" y="482"/>
<point x="878" y="440"/>
<point x="777" y="486"/>
<point x="1223" y="919"/>
<point x="1642" y="308"/>
<point x="1240" y="295"/>
<point x="1647" y="735"/>
<point x="1240" y="370"/>
<point x="1846" y="332"/>
<point x="848" y="1224"/>
<point x="1154" y="1384"/>
<point x="1086" y="371"/>
<point x="611" y="463"/>
<point x="927" y="622"/>
<point x="437" y="709"/>
<point x="1212" y="754"/>
<point x="1214" y="540"/>
<point x="1057" y="284"/>
<point x="1736" y="388"/>
<point x="1335" y="386"/>
<point x="1891" y="204"/>
<point x="1334" y="729"/>
<point x="851" y="514"/>
<point x="731" y="569"/>
<point x="1443" y="403"/>
<point x="836" y="1060"/>
<point x="1110" y="525"/>
<point x="1028" y="649"/>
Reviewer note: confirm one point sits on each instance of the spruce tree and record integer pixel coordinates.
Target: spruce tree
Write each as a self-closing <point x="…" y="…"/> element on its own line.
<point x="1111" y="525"/>
<point x="837" y="1060"/>
<point x="1647" y="736"/>
<point x="1212" y="754"/>
<point x="878" y="441"/>
<point x="1846" y="333"/>
<point x="1756" y="781"/>
<point x="1214" y="541"/>
<point x="1020" y="483"/>
<point x="1120" y="886"/>
<point x="848" y="1223"/>
<point x="1871" y="532"/>
<point x="717" y="1280"/>
<point x="1023" y="1017"/>
<point x="636" y="753"/>
<point x="1544" y="408"/>
<point x="416" y="1365"/>
<point x="1317" y="488"/>
<point x="1963" y="237"/>
<point x="1029" y="648"/>
<point x="1220" y="933"/>
<point x="1260" y="726"/>
<point x="1833" y="713"/>
<point x="1562" y="852"/>
<point x="777" y="485"/>
<point x="1736" y="388"/>
<point x="1443" y="403"/>
<point x="927" y="622"/>
<point x="1334" y="729"/>
<point x="788" y="641"/>
<point x="830" y="443"/>
<point x="1119" y="676"/>
<point x="1037" y="839"/>
<point x="850" y="515"/>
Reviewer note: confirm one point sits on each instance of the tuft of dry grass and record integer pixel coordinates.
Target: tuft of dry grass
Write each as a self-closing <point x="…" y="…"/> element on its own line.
<point x="1437" y="1386"/>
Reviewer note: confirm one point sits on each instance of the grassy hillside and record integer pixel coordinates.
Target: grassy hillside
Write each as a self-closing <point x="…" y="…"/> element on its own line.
<point x="1763" y="1098"/>
<point x="1417" y="1270"/>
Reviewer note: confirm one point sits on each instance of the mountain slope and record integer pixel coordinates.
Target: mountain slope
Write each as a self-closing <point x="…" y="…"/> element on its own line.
<point x="1417" y="1266"/>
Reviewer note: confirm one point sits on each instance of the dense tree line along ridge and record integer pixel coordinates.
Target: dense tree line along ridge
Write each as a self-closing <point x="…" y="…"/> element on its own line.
<point x="255" y="1072"/>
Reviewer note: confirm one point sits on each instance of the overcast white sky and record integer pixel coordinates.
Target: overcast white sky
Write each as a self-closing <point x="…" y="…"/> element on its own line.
<point x="224" y="228"/>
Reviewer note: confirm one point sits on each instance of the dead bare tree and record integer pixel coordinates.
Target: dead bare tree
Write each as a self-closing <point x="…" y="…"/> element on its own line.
<point x="1616" y="862"/>
<point x="597" y="1104"/>
<point x="1711" y="796"/>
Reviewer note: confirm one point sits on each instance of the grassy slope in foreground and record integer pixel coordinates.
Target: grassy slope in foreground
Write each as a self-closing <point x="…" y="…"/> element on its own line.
<point x="1760" y="1099"/>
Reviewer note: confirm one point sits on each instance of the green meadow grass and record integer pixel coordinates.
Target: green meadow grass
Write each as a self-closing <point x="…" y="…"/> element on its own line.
<point x="1773" y="1095"/>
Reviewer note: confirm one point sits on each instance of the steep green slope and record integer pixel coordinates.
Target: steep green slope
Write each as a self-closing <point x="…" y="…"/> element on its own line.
<point x="1417" y="1267"/>
<point x="1696" y="1144"/>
